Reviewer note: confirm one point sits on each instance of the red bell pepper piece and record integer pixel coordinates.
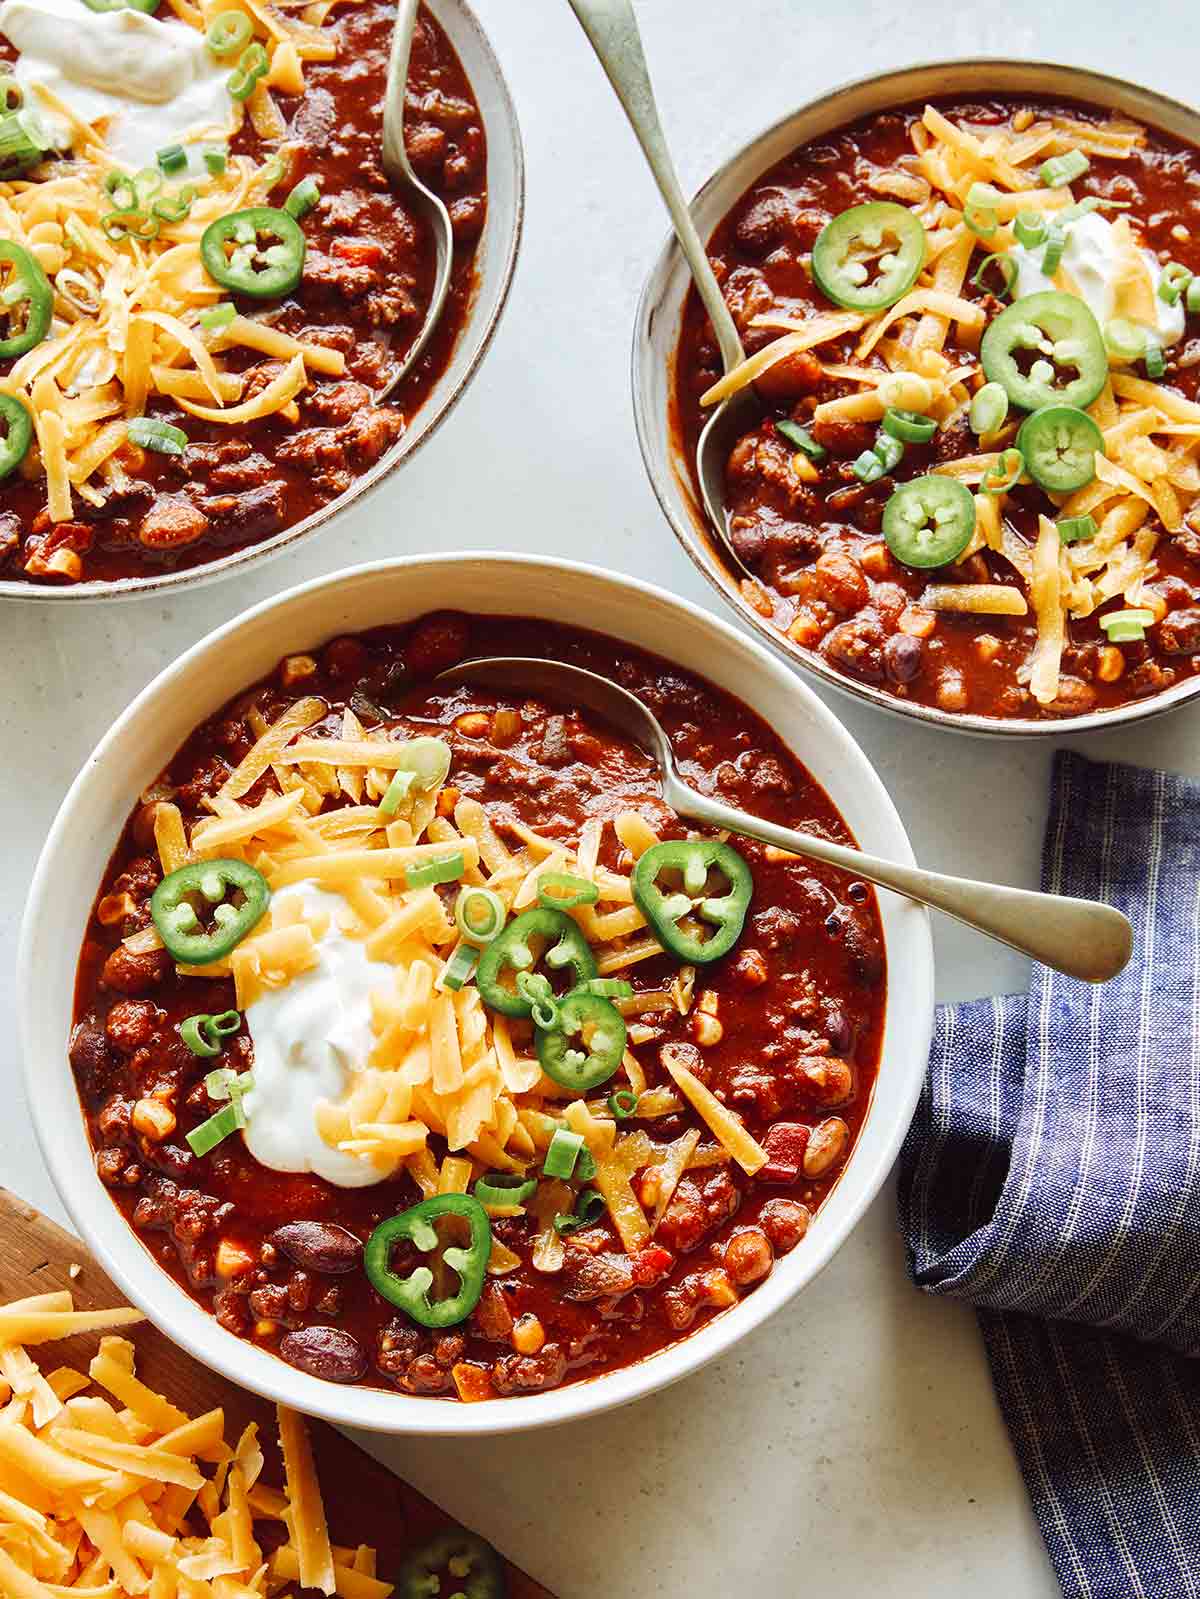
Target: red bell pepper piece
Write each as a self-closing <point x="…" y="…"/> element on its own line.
<point x="650" y="1265"/>
<point x="785" y="1144"/>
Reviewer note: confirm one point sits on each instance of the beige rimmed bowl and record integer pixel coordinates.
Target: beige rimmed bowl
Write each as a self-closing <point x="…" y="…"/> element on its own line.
<point x="495" y="263"/>
<point x="660" y="313"/>
<point x="141" y="742"/>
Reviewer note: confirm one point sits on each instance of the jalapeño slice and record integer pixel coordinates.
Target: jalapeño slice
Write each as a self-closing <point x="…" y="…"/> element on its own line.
<point x="665" y="903"/>
<point x="1047" y="349"/>
<point x="561" y="944"/>
<point x="417" y="1226"/>
<point x="475" y="1569"/>
<point x="259" y="252"/>
<point x="869" y="257"/>
<point x="26" y="300"/>
<point x="586" y="1045"/>
<point x="17" y="434"/>
<point x="929" y="521"/>
<point x="236" y="895"/>
<point x="1059" y="444"/>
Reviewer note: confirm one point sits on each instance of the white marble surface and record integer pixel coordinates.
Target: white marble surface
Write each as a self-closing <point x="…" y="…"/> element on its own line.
<point x="855" y="1439"/>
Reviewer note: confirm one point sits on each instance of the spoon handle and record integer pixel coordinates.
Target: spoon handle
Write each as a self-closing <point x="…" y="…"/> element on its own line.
<point x="395" y="156"/>
<point x="612" y="28"/>
<point x="1077" y="936"/>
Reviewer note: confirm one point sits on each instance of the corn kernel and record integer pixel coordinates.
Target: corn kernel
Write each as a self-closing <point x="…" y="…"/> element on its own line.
<point x="707" y="1030"/>
<point x="295" y="669"/>
<point x="528" y="1335"/>
<point x="473" y="724"/>
<point x="153" y="1119"/>
<point x="1111" y="664"/>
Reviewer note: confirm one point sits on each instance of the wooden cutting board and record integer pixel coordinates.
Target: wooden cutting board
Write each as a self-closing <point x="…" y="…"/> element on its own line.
<point x="365" y="1503"/>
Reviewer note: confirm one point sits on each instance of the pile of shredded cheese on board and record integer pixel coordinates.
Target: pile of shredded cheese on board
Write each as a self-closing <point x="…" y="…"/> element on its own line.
<point x="1149" y="477"/>
<point x="443" y="1065"/>
<point x="103" y="1483"/>
<point x="126" y="323"/>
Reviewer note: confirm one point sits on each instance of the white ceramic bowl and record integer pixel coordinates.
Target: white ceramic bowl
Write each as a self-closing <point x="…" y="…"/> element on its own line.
<point x="228" y="661"/>
<point x="660" y="313"/>
<point x="495" y="263"/>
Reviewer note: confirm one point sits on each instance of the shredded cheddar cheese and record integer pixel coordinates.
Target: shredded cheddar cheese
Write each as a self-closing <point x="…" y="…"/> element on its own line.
<point x="145" y="1500"/>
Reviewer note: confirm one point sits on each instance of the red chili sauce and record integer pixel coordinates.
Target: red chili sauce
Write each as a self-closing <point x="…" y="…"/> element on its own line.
<point x="799" y="1001"/>
<point x="813" y="540"/>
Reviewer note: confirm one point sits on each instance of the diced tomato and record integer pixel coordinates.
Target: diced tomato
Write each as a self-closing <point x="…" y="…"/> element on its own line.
<point x="650" y="1265"/>
<point x="359" y="252"/>
<point x="785" y="1144"/>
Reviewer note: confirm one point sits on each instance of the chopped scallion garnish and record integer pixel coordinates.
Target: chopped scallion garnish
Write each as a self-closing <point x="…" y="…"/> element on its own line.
<point x="1077" y="529"/>
<point x="428" y="873"/>
<point x="172" y="158"/>
<point x="219" y="316"/>
<point x="561" y="1156"/>
<point x="1063" y="169"/>
<point x="151" y="434"/>
<point x="303" y="197"/>
<point x="460" y="966"/>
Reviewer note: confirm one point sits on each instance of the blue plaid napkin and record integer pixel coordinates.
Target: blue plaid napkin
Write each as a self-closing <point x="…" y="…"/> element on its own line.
<point x="1052" y="1179"/>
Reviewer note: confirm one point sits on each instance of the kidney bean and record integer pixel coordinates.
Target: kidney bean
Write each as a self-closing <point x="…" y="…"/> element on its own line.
<point x="785" y="1222"/>
<point x="902" y="657"/>
<point x="326" y="1352"/>
<point x="318" y="1246"/>
<point x="748" y="1255"/>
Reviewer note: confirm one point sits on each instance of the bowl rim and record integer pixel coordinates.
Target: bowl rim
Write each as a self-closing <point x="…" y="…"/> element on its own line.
<point x="668" y="475"/>
<point x="123" y="1255"/>
<point x="429" y="417"/>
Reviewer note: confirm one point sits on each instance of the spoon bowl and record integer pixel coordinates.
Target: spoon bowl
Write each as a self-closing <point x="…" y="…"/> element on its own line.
<point x="1079" y="937"/>
<point x="402" y="173"/>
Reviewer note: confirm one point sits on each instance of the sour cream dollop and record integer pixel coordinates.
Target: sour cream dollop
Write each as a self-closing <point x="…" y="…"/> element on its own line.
<point x="153" y="80"/>
<point x="1092" y="260"/>
<point x="310" y="1038"/>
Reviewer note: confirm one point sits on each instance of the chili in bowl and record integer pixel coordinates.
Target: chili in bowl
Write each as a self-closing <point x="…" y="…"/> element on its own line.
<point x="417" y="1052"/>
<point x="210" y="284"/>
<point x="969" y="489"/>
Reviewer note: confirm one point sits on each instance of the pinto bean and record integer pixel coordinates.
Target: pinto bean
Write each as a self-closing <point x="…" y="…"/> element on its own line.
<point x="130" y="1024"/>
<point x="827" y="1147"/>
<point x="785" y="1222"/>
<point x="319" y="1246"/>
<point x="131" y="973"/>
<point x="748" y="1256"/>
<point x="326" y="1352"/>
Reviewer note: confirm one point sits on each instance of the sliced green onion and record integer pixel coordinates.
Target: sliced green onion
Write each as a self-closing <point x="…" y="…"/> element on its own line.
<point x="175" y="206"/>
<point x="460" y="966"/>
<point x="1175" y="279"/>
<point x="34" y="129"/>
<point x="910" y="427"/>
<point x="609" y="987"/>
<point x="562" y="1154"/>
<point x="229" y="33"/>
<point x="252" y="65"/>
<point x="623" y="1104"/>
<point x="1056" y="239"/>
<point x="562" y="892"/>
<point x="121" y="190"/>
<point x="219" y="316"/>
<point x="989" y="409"/>
<point x="447" y="870"/>
<point x="1192" y="297"/>
<point x="1030" y="229"/>
<point x="535" y="988"/>
<point x="868" y="468"/>
<point x="1127" y="627"/>
<point x="1156" y="361"/>
<point x="192" y="1031"/>
<point x="802" y="439"/>
<point x="1123" y="339"/>
<point x="151" y="434"/>
<point x="18" y="150"/>
<point x="205" y="1138"/>
<point x="504" y="1188"/>
<point x="120" y="225"/>
<point x="1063" y="169"/>
<point x="303" y="197"/>
<point x="979" y="213"/>
<point x="274" y="170"/>
<point x="585" y="1166"/>
<point x="888" y="450"/>
<point x="216" y="160"/>
<point x="588" y="1206"/>
<point x="1007" y="269"/>
<point x="12" y="96"/>
<point x="172" y="158"/>
<point x="1006" y="475"/>
<point x="1077" y="529"/>
<point x="397" y="792"/>
<point x="479" y="914"/>
<point x="225" y="1083"/>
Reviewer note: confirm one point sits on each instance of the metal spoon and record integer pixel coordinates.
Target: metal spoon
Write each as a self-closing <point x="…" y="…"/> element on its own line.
<point x="400" y="170"/>
<point x="1077" y="936"/>
<point x="612" y="28"/>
